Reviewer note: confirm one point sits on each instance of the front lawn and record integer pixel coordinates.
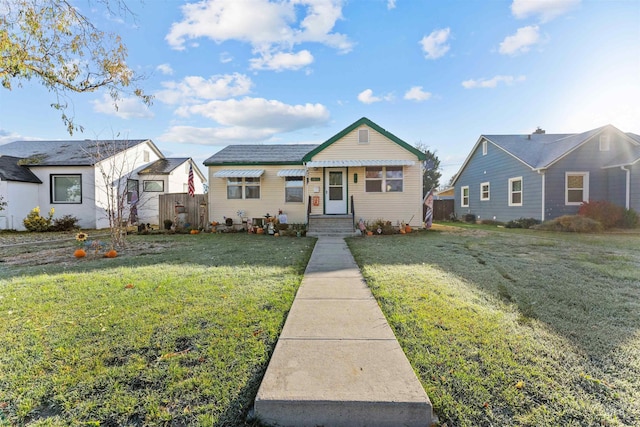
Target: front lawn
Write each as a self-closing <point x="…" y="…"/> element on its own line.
<point x="177" y="330"/>
<point x="515" y="327"/>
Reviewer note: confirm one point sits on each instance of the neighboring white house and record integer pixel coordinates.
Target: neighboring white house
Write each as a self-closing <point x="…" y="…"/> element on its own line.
<point x="74" y="178"/>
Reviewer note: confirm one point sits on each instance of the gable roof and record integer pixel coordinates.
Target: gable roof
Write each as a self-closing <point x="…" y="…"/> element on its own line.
<point x="69" y="153"/>
<point x="372" y="125"/>
<point x="542" y="150"/>
<point x="11" y="170"/>
<point x="260" y="154"/>
<point x="163" y="166"/>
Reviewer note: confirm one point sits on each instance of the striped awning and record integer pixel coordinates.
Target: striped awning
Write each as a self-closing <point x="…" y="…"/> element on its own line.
<point x="239" y="173"/>
<point x="358" y="163"/>
<point x="292" y="172"/>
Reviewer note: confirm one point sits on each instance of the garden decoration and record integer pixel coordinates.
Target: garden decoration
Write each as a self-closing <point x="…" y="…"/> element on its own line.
<point x="81" y="238"/>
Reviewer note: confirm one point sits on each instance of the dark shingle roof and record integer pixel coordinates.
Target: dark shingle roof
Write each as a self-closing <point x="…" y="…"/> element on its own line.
<point x="10" y="170"/>
<point x="66" y="153"/>
<point x="260" y="154"/>
<point x="163" y="166"/>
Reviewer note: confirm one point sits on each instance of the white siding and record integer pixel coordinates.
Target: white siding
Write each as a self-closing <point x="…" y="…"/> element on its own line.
<point x="21" y="198"/>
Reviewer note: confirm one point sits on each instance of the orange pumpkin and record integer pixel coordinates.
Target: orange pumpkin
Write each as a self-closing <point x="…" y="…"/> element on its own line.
<point x="260" y="231"/>
<point x="407" y="229"/>
<point x="79" y="253"/>
<point x="195" y="231"/>
<point x="402" y="231"/>
<point x="369" y="233"/>
<point x="111" y="254"/>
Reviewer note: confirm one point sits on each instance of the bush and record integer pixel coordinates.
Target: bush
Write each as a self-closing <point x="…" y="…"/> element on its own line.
<point x="573" y="223"/>
<point x="469" y="218"/>
<point x="35" y="222"/>
<point x="66" y="223"/>
<point x="490" y="222"/>
<point x="606" y="213"/>
<point x="384" y="226"/>
<point x="630" y="219"/>
<point x="522" y="223"/>
<point x="167" y="224"/>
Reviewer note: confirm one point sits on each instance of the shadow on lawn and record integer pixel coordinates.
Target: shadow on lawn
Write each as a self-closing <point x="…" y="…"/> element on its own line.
<point x="208" y="250"/>
<point x="585" y="287"/>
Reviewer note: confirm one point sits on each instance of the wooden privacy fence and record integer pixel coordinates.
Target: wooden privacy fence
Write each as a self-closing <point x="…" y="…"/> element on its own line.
<point x="191" y="212"/>
<point x="442" y="209"/>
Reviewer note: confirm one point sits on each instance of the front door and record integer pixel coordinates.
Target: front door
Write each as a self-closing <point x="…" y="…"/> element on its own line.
<point x="335" y="194"/>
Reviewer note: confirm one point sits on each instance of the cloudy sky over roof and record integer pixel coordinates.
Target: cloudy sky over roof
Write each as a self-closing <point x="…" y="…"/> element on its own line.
<point x="440" y="73"/>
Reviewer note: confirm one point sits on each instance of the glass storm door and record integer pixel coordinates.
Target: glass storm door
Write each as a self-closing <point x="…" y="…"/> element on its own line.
<point x="335" y="191"/>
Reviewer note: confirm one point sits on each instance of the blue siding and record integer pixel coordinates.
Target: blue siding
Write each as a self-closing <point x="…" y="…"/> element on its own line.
<point x="604" y="184"/>
<point x="497" y="167"/>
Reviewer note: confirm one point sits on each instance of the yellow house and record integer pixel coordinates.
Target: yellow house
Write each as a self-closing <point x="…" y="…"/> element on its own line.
<point x="363" y="172"/>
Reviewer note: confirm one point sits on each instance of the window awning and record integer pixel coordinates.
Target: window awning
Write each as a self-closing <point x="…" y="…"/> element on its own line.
<point x="358" y="163"/>
<point x="239" y="173"/>
<point x="292" y="172"/>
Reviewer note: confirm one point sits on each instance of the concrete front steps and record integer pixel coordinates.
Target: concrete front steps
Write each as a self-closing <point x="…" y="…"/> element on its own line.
<point x="330" y="225"/>
<point x="337" y="362"/>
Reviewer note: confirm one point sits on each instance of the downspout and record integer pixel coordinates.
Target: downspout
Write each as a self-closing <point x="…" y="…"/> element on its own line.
<point x="627" y="187"/>
<point x="543" y="176"/>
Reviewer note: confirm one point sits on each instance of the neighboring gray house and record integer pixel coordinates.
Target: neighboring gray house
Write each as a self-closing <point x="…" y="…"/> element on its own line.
<point x="68" y="176"/>
<point x="545" y="176"/>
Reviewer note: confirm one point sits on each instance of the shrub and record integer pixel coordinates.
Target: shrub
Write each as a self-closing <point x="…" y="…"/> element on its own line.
<point x="384" y="226"/>
<point x="167" y="224"/>
<point x="630" y="219"/>
<point x="35" y="222"/>
<point x="574" y="223"/>
<point x="606" y="213"/>
<point x="522" y="223"/>
<point x="490" y="222"/>
<point x="66" y="223"/>
<point x="469" y="218"/>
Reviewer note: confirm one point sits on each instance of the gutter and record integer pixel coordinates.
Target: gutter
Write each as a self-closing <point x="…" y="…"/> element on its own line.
<point x="627" y="187"/>
<point x="542" y="204"/>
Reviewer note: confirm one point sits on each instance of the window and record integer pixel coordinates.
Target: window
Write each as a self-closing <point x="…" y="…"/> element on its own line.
<point x="484" y="191"/>
<point x="243" y="188"/>
<point x="464" y="196"/>
<point x="363" y="136"/>
<point x="484" y="148"/>
<point x="384" y="179"/>
<point x="515" y="191"/>
<point x="66" y="188"/>
<point x="576" y="187"/>
<point x="132" y="187"/>
<point x="293" y="189"/>
<point x="153" y="186"/>
<point x="604" y="143"/>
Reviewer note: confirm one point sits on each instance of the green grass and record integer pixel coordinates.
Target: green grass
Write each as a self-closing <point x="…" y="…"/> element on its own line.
<point x="515" y="327"/>
<point x="177" y="330"/>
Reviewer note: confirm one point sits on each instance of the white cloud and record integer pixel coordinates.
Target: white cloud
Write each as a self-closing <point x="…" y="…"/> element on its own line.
<point x="545" y="9"/>
<point x="226" y="57"/>
<point x="124" y="108"/>
<point x="521" y="41"/>
<point x="282" y="61"/>
<point x="8" y="136"/>
<point x="492" y="83"/>
<point x="246" y="120"/>
<point x="367" y="97"/>
<point x="435" y="44"/>
<point x="391" y="4"/>
<point x="194" y="89"/>
<point x="165" y="69"/>
<point x="417" y="94"/>
<point x="267" y="26"/>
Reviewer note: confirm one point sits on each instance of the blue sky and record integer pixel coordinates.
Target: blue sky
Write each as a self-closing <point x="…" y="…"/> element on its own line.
<point x="438" y="72"/>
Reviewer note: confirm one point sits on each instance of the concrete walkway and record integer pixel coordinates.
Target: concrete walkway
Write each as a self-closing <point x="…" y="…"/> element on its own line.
<point x="337" y="361"/>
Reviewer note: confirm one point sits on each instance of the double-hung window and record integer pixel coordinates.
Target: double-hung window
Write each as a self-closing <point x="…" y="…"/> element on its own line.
<point x="293" y="189"/>
<point x="576" y="188"/>
<point x="464" y="196"/>
<point x="66" y="188"/>
<point x="485" y="193"/>
<point x="132" y="189"/>
<point x="384" y="179"/>
<point x="243" y="188"/>
<point x="515" y="191"/>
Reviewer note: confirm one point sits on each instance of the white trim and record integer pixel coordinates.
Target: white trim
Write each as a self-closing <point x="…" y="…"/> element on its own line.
<point x="358" y="163"/>
<point x="484" y="147"/>
<point x="585" y="188"/>
<point x="239" y="173"/>
<point x="482" y="198"/>
<point x="462" y="196"/>
<point x="511" y="192"/>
